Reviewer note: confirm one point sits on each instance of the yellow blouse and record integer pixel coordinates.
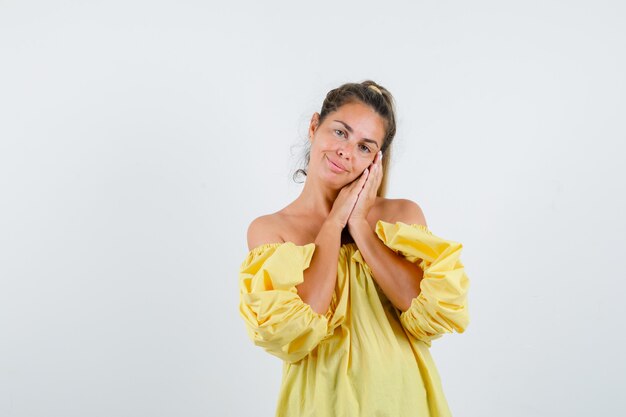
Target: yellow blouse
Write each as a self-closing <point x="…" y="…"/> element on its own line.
<point x="364" y="357"/>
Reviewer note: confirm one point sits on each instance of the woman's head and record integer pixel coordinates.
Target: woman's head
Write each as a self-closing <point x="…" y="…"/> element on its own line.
<point x="355" y="122"/>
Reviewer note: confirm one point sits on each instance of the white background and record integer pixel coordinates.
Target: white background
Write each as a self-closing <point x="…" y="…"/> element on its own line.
<point x="138" y="139"/>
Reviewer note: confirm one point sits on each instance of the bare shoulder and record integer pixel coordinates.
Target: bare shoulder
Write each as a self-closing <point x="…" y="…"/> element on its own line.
<point x="264" y="229"/>
<point x="400" y="210"/>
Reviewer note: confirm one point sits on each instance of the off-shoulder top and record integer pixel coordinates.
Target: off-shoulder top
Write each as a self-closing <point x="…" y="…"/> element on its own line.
<point x="363" y="357"/>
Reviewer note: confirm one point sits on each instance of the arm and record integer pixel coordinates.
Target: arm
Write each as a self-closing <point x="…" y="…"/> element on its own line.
<point x="276" y="318"/>
<point x="439" y="288"/>
<point x="321" y="276"/>
<point x="441" y="305"/>
<point x="398" y="277"/>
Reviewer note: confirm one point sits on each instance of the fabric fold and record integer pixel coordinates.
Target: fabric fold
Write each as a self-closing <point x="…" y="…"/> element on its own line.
<point x="441" y="306"/>
<point x="276" y="318"/>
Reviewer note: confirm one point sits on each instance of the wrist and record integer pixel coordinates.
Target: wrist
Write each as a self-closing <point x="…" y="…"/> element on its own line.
<point x="356" y="224"/>
<point x="333" y="225"/>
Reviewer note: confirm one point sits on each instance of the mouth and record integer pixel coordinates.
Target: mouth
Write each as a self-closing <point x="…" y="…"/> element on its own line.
<point x="335" y="167"/>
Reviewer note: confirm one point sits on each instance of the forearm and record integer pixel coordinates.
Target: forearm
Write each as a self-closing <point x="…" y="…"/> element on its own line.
<point x="397" y="277"/>
<point x="321" y="275"/>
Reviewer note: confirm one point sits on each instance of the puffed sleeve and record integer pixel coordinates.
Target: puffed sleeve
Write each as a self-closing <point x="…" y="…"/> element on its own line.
<point x="441" y="306"/>
<point x="276" y="318"/>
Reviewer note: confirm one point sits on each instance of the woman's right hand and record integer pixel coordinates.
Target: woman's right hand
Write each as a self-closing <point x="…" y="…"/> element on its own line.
<point x="346" y="199"/>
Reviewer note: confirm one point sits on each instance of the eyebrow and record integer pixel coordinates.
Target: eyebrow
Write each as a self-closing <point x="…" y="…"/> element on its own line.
<point x="349" y="129"/>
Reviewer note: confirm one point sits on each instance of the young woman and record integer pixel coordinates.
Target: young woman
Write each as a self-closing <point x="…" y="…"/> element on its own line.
<point x="347" y="287"/>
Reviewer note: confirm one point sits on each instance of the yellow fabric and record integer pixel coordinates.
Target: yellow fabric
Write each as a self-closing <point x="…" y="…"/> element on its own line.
<point x="364" y="357"/>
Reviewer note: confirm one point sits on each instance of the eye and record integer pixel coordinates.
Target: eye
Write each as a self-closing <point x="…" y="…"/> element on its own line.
<point x="365" y="148"/>
<point x="340" y="131"/>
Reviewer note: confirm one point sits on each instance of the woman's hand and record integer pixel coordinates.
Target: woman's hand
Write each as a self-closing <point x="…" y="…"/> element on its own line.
<point x="346" y="199"/>
<point x="368" y="193"/>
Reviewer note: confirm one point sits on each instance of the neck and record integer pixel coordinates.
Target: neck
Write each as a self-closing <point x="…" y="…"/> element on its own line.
<point x="316" y="199"/>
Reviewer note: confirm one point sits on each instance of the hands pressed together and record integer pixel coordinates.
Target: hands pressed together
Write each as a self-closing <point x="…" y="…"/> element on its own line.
<point x="357" y="198"/>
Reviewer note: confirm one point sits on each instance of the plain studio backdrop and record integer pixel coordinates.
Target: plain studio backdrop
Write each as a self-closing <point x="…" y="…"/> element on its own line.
<point x="138" y="139"/>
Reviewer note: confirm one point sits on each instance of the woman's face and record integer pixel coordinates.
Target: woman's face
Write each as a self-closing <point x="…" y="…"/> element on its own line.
<point x="345" y="143"/>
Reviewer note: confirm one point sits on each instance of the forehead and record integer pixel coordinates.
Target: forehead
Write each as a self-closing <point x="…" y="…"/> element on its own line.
<point x="362" y="118"/>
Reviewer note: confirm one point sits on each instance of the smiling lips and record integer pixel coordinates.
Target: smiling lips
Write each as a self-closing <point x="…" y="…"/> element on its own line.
<point x="335" y="167"/>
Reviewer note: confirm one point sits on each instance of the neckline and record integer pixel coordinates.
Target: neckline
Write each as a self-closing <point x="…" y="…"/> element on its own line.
<point x="276" y="244"/>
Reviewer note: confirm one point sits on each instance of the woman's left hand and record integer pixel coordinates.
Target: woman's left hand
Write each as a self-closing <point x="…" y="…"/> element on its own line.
<point x="367" y="196"/>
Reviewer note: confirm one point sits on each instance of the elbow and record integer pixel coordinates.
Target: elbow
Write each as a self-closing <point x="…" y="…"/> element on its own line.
<point x="426" y="323"/>
<point x="290" y="338"/>
<point x="406" y="303"/>
<point x="291" y="352"/>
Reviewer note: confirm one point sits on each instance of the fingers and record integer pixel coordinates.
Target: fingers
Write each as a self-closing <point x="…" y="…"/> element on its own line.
<point x="371" y="180"/>
<point x="358" y="184"/>
<point x="376" y="165"/>
<point x="376" y="174"/>
<point x="364" y="176"/>
<point x="377" y="162"/>
<point x="360" y="180"/>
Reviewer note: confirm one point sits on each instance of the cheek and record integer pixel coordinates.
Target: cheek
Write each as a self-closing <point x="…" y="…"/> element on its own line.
<point x="320" y="146"/>
<point x="367" y="162"/>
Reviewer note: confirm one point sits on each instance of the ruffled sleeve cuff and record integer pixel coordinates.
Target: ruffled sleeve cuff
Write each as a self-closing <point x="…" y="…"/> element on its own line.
<point x="441" y="306"/>
<point x="276" y="318"/>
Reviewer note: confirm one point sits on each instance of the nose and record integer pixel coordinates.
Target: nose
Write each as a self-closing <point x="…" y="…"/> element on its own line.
<point x="345" y="150"/>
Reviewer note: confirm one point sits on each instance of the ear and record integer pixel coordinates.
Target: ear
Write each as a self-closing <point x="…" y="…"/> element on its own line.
<point x="314" y="124"/>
